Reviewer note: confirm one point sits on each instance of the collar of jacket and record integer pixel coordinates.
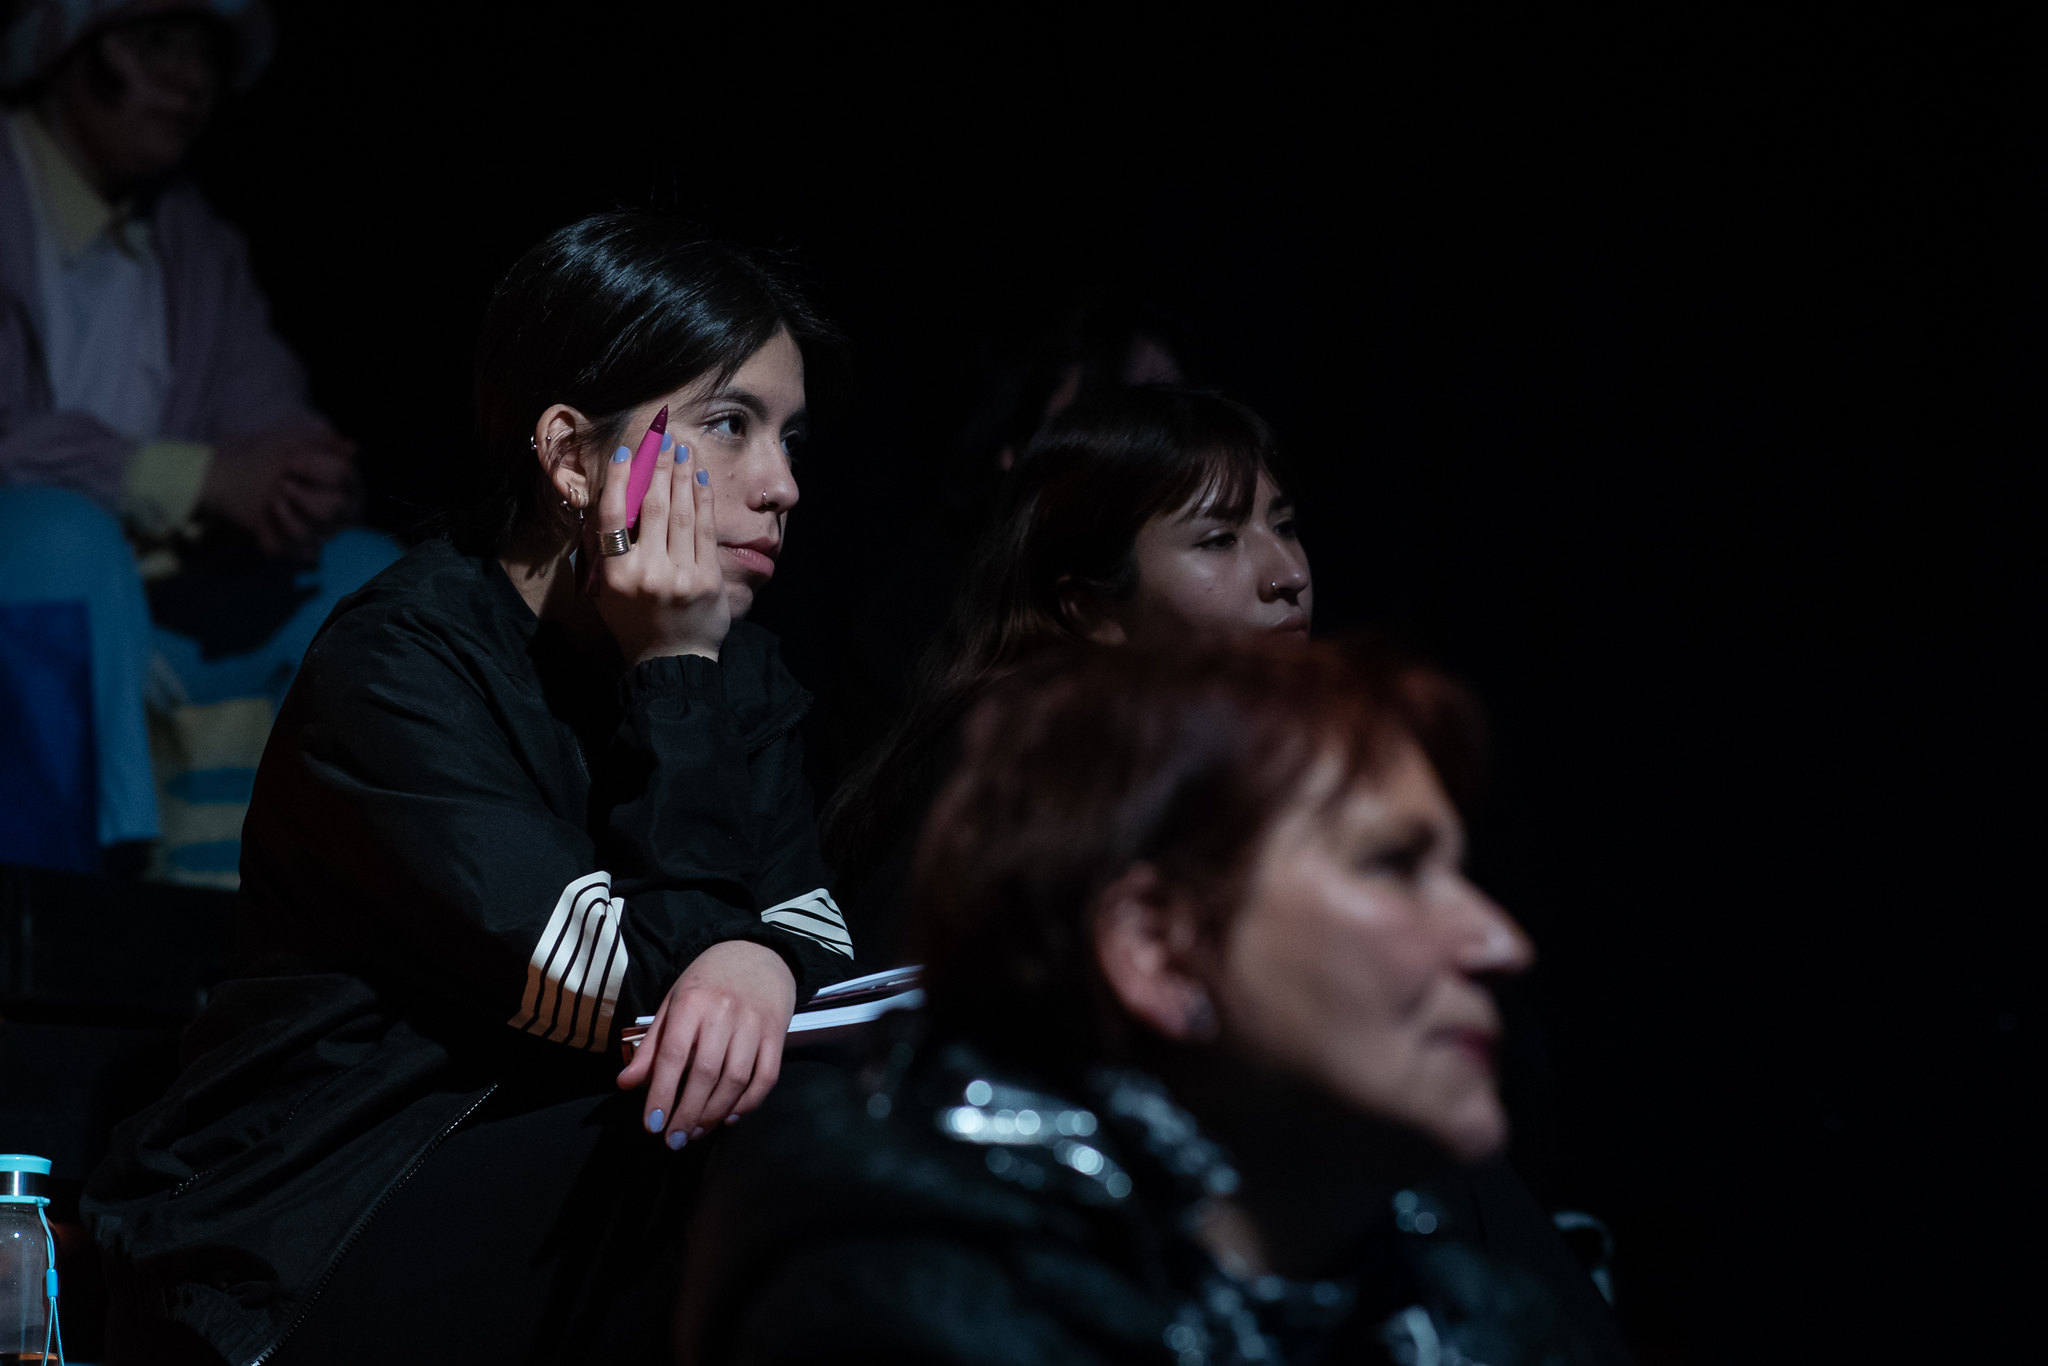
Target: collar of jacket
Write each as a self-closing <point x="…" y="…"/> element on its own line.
<point x="1090" y="1151"/>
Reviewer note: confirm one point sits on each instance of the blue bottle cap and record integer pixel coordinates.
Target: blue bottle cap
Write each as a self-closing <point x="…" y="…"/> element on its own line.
<point x="21" y="1179"/>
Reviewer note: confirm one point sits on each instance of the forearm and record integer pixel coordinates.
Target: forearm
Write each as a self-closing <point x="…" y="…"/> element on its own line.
<point x="153" y="486"/>
<point x="68" y="450"/>
<point x="694" y="807"/>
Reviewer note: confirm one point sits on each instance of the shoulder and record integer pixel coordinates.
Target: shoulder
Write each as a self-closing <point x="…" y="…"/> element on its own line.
<point x="834" y="1156"/>
<point x="846" y="1200"/>
<point x="433" y="604"/>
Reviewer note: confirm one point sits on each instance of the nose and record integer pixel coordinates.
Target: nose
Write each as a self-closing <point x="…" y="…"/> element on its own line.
<point x="772" y="483"/>
<point x="1283" y="572"/>
<point x="1489" y="942"/>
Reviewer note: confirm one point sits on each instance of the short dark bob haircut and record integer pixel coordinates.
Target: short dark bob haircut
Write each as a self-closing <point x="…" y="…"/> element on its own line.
<point x="1070" y="515"/>
<point x="605" y="315"/>
<point x="1075" y="770"/>
<point x="1082" y="490"/>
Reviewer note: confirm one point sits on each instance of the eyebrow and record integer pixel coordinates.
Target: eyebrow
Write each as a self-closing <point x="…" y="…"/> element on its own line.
<point x="1281" y="502"/>
<point x="742" y="397"/>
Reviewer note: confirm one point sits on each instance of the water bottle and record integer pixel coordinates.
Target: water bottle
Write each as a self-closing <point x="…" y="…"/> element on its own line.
<point x="28" y="1265"/>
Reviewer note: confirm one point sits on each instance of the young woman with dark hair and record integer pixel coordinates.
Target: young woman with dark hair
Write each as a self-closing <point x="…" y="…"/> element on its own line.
<point x="1136" y="515"/>
<point x="537" y="779"/>
<point x="1206" y="999"/>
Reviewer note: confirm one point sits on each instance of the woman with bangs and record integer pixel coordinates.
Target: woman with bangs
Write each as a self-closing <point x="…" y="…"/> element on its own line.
<point x="1137" y="516"/>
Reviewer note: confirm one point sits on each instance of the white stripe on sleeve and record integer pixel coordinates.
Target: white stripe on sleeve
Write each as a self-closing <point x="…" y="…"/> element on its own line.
<point x="578" y="964"/>
<point x="814" y="916"/>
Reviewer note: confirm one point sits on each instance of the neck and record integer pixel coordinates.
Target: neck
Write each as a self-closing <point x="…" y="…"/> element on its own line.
<point x="546" y="578"/>
<point x="1316" y="1177"/>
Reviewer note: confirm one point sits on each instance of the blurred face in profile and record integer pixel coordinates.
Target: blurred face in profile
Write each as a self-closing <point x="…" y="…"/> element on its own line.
<point x="1200" y="571"/>
<point x="136" y="97"/>
<point x="1355" y="960"/>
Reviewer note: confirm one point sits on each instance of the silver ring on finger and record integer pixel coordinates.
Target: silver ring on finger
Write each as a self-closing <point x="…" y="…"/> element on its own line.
<point x="614" y="542"/>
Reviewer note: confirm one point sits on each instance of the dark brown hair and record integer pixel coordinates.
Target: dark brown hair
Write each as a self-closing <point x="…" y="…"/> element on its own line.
<point x="1071" y="513"/>
<point x="604" y="315"/>
<point x="1074" y="771"/>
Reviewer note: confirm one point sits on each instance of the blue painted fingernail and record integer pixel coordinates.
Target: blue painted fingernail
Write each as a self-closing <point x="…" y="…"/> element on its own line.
<point x="668" y="443"/>
<point x="697" y="1132"/>
<point x="682" y="454"/>
<point x="703" y="476"/>
<point x="654" y="1122"/>
<point x="732" y="1119"/>
<point x="621" y="456"/>
<point x="677" y="1139"/>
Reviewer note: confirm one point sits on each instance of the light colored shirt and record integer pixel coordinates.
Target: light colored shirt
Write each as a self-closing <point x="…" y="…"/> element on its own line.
<point x="106" y="337"/>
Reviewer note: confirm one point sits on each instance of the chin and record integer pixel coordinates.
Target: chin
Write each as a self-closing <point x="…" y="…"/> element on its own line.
<point x="1474" y="1130"/>
<point x="157" y="153"/>
<point x="739" y="599"/>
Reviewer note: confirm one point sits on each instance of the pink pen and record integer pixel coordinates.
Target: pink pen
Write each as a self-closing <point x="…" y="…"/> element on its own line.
<point x="642" y="473"/>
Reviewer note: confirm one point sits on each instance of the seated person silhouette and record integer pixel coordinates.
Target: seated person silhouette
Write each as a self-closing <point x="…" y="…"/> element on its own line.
<point x="173" y="513"/>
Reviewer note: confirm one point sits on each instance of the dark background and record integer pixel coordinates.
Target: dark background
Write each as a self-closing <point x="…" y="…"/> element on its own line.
<point x="1675" y="378"/>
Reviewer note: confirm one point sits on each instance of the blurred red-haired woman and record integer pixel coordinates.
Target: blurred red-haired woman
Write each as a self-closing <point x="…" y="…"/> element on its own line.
<point x="1207" y="999"/>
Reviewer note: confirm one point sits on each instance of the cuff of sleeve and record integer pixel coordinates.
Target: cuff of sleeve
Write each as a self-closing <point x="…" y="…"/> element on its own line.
<point x="691" y="676"/>
<point x="162" y="486"/>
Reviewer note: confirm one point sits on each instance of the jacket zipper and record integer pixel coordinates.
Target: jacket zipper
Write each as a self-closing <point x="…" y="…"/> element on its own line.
<point x="778" y="728"/>
<point x="363" y="1223"/>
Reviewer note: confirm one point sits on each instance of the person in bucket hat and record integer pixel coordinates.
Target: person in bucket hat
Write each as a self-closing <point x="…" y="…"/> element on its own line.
<point x="41" y="33"/>
<point x="160" y="465"/>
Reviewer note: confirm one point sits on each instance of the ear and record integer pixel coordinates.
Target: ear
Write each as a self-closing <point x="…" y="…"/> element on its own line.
<point x="1084" y="610"/>
<point x="1146" y="939"/>
<point x="558" y="441"/>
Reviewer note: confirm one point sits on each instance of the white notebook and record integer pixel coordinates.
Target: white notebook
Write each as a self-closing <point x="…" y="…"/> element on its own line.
<point x="852" y="1002"/>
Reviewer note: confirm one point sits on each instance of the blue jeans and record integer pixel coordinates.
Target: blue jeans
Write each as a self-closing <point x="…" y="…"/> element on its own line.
<point x="60" y="551"/>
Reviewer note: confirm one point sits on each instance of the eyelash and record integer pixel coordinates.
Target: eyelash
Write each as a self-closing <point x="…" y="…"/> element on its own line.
<point x="736" y="420"/>
<point x="1404" y="862"/>
<point x="1286" y="529"/>
<point x="736" y="425"/>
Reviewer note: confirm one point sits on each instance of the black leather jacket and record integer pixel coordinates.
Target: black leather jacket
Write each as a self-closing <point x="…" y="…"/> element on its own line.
<point x="931" y="1209"/>
<point x="472" y="853"/>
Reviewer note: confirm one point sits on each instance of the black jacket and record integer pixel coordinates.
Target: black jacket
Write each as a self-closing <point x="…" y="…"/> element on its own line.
<point x="935" y="1210"/>
<point x="471" y="855"/>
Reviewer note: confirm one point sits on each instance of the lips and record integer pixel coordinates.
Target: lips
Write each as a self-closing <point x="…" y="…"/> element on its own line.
<point x="756" y="556"/>
<point x="1477" y="1044"/>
